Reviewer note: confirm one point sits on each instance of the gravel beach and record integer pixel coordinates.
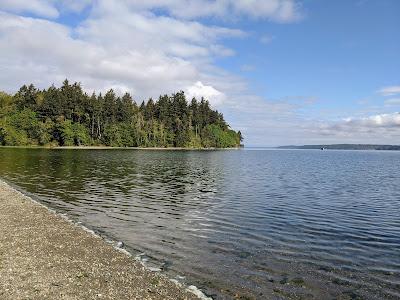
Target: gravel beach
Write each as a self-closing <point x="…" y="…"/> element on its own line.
<point x="43" y="256"/>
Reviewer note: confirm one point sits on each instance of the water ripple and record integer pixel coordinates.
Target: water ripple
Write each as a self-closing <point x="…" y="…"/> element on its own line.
<point x="261" y="224"/>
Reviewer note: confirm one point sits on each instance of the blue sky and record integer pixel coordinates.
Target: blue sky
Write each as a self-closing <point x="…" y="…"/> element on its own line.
<point x="340" y="53"/>
<point x="281" y="71"/>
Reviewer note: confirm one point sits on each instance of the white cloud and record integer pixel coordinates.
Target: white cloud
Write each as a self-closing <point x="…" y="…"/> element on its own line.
<point x="390" y="90"/>
<point x="36" y="7"/>
<point x="199" y="90"/>
<point x="377" y="127"/>
<point x="150" y="54"/>
<point x="124" y="43"/>
<point x="276" y="10"/>
<point x="377" y="121"/>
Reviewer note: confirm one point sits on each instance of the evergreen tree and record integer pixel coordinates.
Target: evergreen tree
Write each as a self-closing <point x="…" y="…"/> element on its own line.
<point x="67" y="116"/>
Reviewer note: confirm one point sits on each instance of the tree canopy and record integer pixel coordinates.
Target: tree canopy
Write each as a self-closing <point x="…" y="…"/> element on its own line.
<point x="67" y="116"/>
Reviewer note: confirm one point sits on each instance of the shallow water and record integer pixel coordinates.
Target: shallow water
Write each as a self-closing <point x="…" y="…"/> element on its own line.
<point x="262" y="224"/>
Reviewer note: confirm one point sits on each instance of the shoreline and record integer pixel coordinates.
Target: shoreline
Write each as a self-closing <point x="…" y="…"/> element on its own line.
<point x="119" y="148"/>
<point x="43" y="254"/>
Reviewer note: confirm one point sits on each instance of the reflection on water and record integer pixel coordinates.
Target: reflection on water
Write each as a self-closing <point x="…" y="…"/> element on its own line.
<point x="257" y="224"/>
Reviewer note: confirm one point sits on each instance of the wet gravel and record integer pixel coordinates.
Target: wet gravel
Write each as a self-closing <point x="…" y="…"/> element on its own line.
<point x="43" y="256"/>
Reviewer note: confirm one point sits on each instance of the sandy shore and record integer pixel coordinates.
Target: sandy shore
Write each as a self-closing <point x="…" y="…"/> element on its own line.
<point x="43" y="256"/>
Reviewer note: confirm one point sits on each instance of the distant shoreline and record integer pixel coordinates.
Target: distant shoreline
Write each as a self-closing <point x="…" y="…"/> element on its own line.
<point x="344" y="147"/>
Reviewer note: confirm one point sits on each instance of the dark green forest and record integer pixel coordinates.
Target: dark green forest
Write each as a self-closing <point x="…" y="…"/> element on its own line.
<point x="67" y="116"/>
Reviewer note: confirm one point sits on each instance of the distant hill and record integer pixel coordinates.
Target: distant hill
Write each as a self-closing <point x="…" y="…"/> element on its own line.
<point x="345" y="147"/>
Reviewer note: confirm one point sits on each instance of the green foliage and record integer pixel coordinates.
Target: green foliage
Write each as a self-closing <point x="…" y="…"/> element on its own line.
<point x="81" y="135"/>
<point x="20" y="128"/>
<point x="215" y="136"/>
<point x="72" y="134"/>
<point x="113" y="136"/>
<point x="10" y="136"/>
<point x="65" y="133"/>
<point x="46" y="129"/>
<point x="67" y="116"/>
<point x="6" y="104"/>
<point x="194" y="141"/>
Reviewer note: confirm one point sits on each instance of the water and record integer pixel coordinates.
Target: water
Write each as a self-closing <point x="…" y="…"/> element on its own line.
<point x="256" y="224"/>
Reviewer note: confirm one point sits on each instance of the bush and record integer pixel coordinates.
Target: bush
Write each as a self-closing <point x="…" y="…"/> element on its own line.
<point x="46" y="132"/>
<point x="112" y="136"/>
<point x="80" y="134"/>
<point x="65" y="133"/>
<point x="10" y="136"/>
<point x="72" y="134"/>
<point x="214" y="136"/>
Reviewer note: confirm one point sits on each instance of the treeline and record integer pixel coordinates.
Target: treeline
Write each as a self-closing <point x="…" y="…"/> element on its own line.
<point x="67" y="116"/>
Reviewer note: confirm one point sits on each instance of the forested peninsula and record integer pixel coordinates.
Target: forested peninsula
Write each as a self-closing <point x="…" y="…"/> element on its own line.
<point x="67" y="116"/>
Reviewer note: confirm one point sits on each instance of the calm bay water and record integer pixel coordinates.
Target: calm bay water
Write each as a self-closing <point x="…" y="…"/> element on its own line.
<point x="262" y="224"/>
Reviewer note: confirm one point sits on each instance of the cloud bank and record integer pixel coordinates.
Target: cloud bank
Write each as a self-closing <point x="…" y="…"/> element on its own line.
<point x="276" y="10"/>
<point x="382" y="128"/>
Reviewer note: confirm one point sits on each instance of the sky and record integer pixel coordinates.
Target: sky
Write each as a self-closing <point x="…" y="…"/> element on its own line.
<point x="284" y="72"/>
